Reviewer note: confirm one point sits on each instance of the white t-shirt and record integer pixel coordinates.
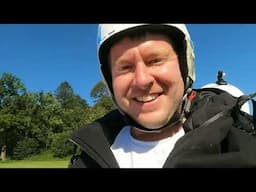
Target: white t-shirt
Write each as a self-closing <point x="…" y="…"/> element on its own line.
<point x="132" y="153"/>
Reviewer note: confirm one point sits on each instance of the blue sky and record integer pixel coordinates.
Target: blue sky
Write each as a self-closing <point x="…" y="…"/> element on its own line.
<point x="45" y="55"/>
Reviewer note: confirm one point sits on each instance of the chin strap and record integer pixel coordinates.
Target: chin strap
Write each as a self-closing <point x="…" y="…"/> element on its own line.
<point x="176" y="118"/>
<point x="188" y="98"/>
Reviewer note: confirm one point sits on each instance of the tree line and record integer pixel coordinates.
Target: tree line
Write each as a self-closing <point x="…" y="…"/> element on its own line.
<point x="33" y="122"/>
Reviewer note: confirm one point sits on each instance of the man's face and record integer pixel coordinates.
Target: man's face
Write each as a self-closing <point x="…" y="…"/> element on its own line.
<point x="146" y="78"/>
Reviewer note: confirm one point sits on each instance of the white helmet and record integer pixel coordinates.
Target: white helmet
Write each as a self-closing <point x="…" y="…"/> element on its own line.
<point x="107" y="32"/>
<point x="231" y="89"/>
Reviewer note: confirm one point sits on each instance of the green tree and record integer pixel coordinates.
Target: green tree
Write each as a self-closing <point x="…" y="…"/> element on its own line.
<point x="47" y="118"/>
<point x="99" y="91"/>
<point x="33" y="122"/>
<point x="103" y="102"/>
<point x="102" y="97"/>
<point x="10" y="85"/>
<point x="11" y="121"/>
<point x="61" y="146"/>
<point x="64" y="94"/>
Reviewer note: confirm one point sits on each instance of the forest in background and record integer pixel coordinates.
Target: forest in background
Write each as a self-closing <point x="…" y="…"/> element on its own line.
<point x="35" y="122"/>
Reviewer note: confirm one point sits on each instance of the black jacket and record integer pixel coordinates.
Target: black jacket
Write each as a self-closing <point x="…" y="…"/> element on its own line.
<point x="214" y="137"/>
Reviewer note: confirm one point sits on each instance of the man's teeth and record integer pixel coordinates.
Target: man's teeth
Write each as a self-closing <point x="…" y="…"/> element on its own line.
<point x="147" y="98"/>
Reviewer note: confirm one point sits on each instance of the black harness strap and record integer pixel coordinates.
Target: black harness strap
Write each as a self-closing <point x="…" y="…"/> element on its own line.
<point x="243" y="120"/>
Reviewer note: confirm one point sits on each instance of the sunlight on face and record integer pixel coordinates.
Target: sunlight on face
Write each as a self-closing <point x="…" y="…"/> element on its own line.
<point x="146" y="78"/>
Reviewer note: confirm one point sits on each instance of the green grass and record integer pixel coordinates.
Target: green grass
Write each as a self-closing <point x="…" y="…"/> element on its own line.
<point x="33" y="164"/>
<point x="44" y="160"/>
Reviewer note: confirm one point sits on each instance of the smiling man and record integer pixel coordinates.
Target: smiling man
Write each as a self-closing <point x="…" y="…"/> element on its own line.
<point x="160" y="121"/>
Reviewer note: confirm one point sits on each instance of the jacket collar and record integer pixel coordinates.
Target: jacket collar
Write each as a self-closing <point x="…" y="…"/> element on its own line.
<point x="96" y="139"/>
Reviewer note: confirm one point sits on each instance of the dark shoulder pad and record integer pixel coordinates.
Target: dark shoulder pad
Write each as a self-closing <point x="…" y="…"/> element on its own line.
<point x="206" y="104"/>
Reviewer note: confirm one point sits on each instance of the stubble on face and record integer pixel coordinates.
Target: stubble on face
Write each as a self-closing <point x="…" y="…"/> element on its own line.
<point x="151" y="101"/>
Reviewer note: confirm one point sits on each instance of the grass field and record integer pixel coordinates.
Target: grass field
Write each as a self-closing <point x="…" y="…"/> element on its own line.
<point x="34" y="164"/>
<point x="44" y="160"/>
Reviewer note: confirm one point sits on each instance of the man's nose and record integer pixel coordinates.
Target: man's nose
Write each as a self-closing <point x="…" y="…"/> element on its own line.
<point x="143" y="78"/>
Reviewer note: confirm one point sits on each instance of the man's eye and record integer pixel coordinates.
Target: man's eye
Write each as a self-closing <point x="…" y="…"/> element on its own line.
<point x="153" y="61"/>
<point x="124" y="68"/>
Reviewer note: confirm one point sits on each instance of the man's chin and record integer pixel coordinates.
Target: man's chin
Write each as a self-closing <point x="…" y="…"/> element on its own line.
<point x="152" y="125"/>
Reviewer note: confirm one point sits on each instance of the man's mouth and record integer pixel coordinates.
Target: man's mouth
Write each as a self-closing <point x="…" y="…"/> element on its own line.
<point x="147" y="98"/>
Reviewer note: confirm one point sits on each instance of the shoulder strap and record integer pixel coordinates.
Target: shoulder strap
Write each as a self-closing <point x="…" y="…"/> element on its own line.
<point x="244" y="120"/>
<point x="205" y="105"/>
